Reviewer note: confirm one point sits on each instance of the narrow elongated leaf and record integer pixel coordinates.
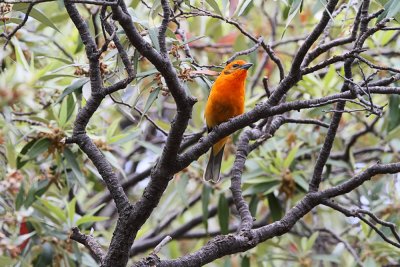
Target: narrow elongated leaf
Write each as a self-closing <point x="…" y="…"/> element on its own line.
<point x="265" y="188"/>
<point x="90" y="219"/>
<point x="392" y="9"/>
<point x="244" y="6"/>
<point x="19" y="54"/>
<point x="253" y="205"/>
<point x="153" y="33"/>
<point x="214" y="6"/>
<point x="36" y="14"/>
<point x="45" y="212"/>
<point x="245" y="262"/>
<point x="223" y="214"/>
<point x="22" y="238"/>
<point x="38" y="148"/>
<point x="146" y="73"/>
<point x="70" y="106"/>
<point x="112" y="129"/>
<point x="114" y="162"/>
<point x="328" y="258"/>
<point x="7" y="261"/>
<point x="275" y="207"/>
<point x="294" y="9"/>
<point x="181" y="186"/>
<point x="155" y="9"/>
<point x="299" y="180"/>
<point x="36" y="190"/>
<point x="20" y="197"/>
<point x="76" y="85"/>
<point x="232" y="7"/>
<point x="32" y="150"/>
<point x="48" y="77"/>
<point x="152" y="97"/>
<point x="66" y="110"/>
<point x="205" y="200"/>
<point x="195" y="38"/>
<point x="394" y="112"/>
<point x="71" y="210"/>
<point x="73" y="164"/>
<point x="291" y="156"/>
<point x="311" y="240"/>
<point x="57" y="211"/>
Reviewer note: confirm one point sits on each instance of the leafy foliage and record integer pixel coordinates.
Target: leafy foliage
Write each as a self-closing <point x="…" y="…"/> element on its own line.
<point x="49" y="186"/>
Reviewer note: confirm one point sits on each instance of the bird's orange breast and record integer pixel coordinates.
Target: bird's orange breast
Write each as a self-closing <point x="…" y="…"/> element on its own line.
<point x="226" y="99"/>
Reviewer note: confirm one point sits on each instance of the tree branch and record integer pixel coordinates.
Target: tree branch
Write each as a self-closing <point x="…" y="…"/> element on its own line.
<point x="89" y="242"/>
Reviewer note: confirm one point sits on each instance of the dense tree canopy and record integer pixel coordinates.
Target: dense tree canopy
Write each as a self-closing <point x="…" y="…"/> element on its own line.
<point x="103" y="142"/>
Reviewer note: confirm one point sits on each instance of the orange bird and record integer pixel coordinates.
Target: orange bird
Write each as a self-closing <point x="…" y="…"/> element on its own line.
<point x="226" y="101"/>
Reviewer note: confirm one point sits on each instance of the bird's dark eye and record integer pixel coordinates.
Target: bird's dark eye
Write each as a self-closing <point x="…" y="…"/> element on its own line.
<point x="235" y="65"/>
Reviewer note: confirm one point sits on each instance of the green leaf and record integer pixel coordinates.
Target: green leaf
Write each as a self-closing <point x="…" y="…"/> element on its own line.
<point x="32" y="150"/>
<point x="262" y="179"/>
<point x="45" y="212"/>
<point x="7" y="261"/>
<point x="20" y="197"/>
<point x="150" y="100"/>
<point x="35" y="191"/>
<point x="153" y="33"/>
<point x="294" y="9"/>
<point x="394" y="112"/>
<point x="114" y="162"/>
<point x="245" y="262"/>
<point x="90" y="219"/>
<point x="392" y="9"/>
<point x="71" y="210"/>
<point x="291" y="156"/>
<point x="244" y="6"/>
<point x="19" y="54"/>
<point x="181" y="186"/>
<point x="112" y="129"/>
<point x="155" y="9"/>
<point x="36" y="14"/>
<point x="22" y="238"/>
<point x="46" y="256"/>
<point x="76" y="85"/>
<point x="63" y="60"/>
<point x="70" y="106"/>
<point x="311" y="240"/>
<point x="214" y="6"/>
<point x="66" y="110"/>
<point x="205" y="200"/>
<point x="223" y="214"/>
<point x="147" y="73"/>
<point x="38" y="148"/>
<point x="57" y="211"/>
<point x="253" y="205"/>
<point x="228" y="262"/>
<point x="48" y="77"/>
<point x="274" y="207"/>
<point x="265" y="188"/>
<point x="325" y="257"/>
<point x="73" y="164"/>
<point x="195" y="38"/>
<point x="95" y="210"/>
<point x="299" y="180"/>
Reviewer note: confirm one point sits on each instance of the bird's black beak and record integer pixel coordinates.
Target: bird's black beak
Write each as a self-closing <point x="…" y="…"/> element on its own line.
<point x="246" y="66"/>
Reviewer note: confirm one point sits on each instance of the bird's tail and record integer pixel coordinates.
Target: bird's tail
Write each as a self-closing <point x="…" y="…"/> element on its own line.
<point x="214" y="163"/>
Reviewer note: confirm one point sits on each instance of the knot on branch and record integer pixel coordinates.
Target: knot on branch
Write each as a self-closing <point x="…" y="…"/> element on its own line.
<point x="192" y="100"/>
<point x="249" y="237"/>
<point x="152" y="260"/>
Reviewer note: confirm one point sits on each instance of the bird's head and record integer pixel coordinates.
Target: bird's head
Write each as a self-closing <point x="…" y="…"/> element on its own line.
<point x="237" y="68"/>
